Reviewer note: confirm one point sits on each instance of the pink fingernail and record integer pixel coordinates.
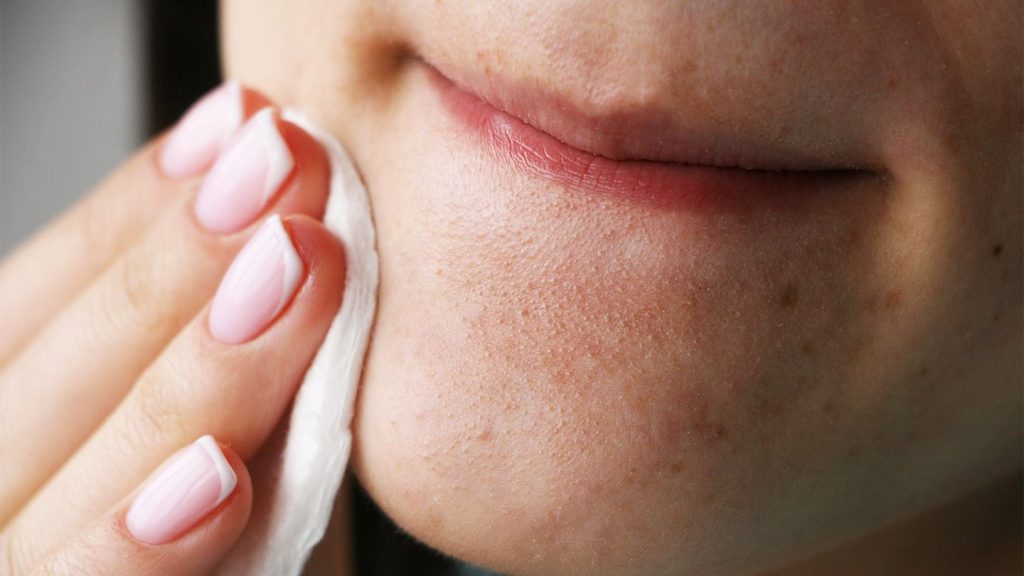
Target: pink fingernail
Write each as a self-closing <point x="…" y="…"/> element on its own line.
<point x="181" y="493"/>
<point x="257" y="286"/>
<point x="246" y="176"/>
<point x="202" y="132"/>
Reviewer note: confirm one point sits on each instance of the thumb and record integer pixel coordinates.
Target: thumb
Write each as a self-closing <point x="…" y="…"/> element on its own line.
<point x="183" y="520"/>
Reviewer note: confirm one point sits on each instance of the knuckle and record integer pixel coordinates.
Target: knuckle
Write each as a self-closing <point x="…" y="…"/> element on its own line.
<point x="157" y="413"/>
<point x="173" y="401"/>
<point x="85" y="556"/>
<point x="140" y="294"/>
<point x="136" y="284"/>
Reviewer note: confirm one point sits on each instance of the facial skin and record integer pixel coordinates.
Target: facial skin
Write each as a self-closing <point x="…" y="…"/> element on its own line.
<point x="563" y="381"/>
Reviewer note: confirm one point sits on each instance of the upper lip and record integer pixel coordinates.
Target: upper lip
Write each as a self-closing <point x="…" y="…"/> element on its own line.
<point x="647" y="132"/>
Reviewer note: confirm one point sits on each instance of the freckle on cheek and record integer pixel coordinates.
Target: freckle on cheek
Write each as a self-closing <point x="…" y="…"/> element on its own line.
<point x="709" y="430"/>
<point x="789" y="297"/>
<point x="893" y="299"/>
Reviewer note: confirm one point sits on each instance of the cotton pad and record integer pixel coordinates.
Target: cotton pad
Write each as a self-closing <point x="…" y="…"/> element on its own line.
<point x="306" y="466"/>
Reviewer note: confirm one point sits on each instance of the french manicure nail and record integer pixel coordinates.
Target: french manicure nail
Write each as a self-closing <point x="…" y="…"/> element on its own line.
<point x="245" y="177"/>
<point x="257" y="285"/>
<point x="181" y="493"/>
<point x="194" y="143"/>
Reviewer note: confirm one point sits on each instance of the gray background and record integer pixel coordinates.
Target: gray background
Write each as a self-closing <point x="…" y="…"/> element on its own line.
<point x="71" y="103"/>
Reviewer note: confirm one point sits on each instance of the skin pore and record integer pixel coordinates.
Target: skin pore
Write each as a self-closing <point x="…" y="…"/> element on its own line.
<point x="562" y="381"/>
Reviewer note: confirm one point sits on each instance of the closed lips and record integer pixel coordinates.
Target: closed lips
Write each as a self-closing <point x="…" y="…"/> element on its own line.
<point x="633" y="155"/>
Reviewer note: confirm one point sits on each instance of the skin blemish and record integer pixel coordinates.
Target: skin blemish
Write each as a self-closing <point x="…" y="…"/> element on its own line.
<point x="711" y="432"/>
<point x="676" y="467"/>
<point x="807" y="349"/>
<point x="789" y="297"/>
<point x="997" y="250"/>
<point x="828" y="408"/>
<point x="923" y="372"/>
<point x="893" y="299"/>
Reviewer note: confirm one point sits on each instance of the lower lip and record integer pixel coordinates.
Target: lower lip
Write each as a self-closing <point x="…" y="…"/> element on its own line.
<point x="661" y="184"/>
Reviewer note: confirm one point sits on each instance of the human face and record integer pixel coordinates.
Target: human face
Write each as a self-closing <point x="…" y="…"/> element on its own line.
<point x="607" y="365"/>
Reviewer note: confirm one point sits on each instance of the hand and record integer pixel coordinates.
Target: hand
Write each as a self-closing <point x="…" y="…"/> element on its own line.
<point x="113" y="358"/>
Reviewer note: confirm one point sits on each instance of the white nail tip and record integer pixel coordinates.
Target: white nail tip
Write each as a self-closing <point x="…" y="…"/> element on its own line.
<point x="279" y="158"/>
<point x="289" y="257"/>
<point x="228" y="480"/>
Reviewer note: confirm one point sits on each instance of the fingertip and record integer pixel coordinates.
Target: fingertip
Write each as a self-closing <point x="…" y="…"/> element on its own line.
<point x="321" y="250"/>
<point x="307" y="190"/>
<point x="175" y="521"/>
<point x="232" y="515"/>
<point x="271" y="165"/>
<point x="311" y="237"/>
<point x="191" y="146"/>
<point x="252" y="99"/>
<point x="229" y="517"/>
<point x="204" y="483"/>
<point x="242" y="493"/>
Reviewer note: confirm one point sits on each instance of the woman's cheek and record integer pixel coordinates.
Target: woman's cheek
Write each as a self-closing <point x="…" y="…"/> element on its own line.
<point x="582" y="372"/>
<point x="564" y="383"/>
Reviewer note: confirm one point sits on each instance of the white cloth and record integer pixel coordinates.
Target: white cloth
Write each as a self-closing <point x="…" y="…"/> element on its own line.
<point x="304" y="469"/>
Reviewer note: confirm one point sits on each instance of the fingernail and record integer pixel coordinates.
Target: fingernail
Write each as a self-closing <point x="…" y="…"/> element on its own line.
<point x="257" y="285"/>
<point x="181" y="493"/>
<point x="195" y="142"/>
<point x="245" y="177"/>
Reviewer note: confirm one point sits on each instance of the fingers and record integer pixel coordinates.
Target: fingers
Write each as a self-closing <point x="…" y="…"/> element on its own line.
<point x="44" y="274"/>
<point x="82" y="364"/>
<point x="182" y="521"/>
<point x="231" y="372"/>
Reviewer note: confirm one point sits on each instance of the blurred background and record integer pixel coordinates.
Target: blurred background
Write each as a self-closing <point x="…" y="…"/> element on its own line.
<point x="83" y="83"/>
